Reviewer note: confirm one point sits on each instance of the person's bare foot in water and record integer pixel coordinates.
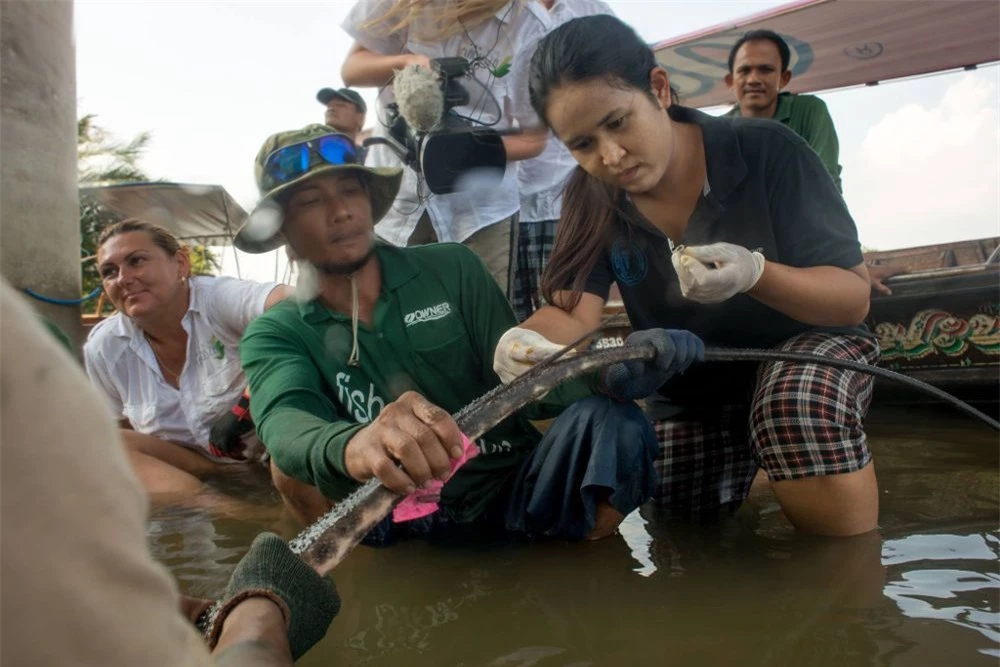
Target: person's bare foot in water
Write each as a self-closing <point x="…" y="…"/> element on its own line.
<point x="606" y="521"/>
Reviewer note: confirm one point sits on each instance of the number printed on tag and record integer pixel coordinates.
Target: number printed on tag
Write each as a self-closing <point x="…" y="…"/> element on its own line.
<point x="610" y="341"/>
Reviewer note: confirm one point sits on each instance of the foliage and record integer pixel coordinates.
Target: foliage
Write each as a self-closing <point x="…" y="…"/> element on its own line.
<point x="203" y="261"/>
<point x="104" y="160"/>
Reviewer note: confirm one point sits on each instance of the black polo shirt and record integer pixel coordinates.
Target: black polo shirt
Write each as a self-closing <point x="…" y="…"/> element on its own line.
<point x="766" y="191"/>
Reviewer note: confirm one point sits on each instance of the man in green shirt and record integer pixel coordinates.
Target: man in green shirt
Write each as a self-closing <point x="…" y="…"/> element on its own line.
<point x="758" y="71"/>
<point x="358" y="379"/>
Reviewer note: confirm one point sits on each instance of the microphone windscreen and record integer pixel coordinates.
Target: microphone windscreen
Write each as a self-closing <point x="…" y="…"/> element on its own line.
<point x="419" y="96"/>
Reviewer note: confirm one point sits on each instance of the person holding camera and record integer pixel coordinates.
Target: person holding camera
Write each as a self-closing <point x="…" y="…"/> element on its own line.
<point x="360" y="379"/>
<point x="391" y="34"/>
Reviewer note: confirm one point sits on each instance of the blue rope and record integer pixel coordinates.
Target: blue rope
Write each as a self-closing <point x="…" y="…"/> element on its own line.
<point x="62" y="302"/>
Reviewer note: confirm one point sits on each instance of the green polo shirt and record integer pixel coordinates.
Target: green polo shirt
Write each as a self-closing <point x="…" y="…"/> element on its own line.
<point x="807" y="116"/>
<point x="436" y="324"/>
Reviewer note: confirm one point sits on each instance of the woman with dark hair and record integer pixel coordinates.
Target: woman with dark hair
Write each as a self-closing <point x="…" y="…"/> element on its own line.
<point x="729" y="228"/>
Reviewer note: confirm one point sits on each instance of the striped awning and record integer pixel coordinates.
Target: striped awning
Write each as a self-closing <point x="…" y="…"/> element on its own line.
<point x="839" y="43"/>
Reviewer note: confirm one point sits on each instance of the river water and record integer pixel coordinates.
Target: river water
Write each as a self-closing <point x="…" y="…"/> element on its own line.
<point x="748" y="591"/>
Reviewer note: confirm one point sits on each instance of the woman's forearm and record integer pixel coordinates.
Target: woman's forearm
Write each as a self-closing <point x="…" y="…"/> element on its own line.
<point x="524" y="146"/>
<point x="560" y="326"/>
<point x="818" y="295"/>
<point x="367" y="68"/>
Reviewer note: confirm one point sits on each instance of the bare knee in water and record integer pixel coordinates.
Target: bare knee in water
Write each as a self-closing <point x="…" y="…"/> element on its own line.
<point x="833" y="505"/>
<point x="177" y="456"/>
<point x="163" y="471"/>
<point x="170" y="475"/>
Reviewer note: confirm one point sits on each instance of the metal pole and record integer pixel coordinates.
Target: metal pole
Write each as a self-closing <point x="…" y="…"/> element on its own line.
<point x="229" y="232"/>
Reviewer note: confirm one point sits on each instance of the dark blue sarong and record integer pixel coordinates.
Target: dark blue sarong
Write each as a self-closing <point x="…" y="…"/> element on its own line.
<point x="597" y="448"/>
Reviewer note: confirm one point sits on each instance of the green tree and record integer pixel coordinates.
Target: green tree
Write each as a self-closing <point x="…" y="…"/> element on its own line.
<point x="104" y="160"/>
<point x="101" y="159"/>
<point x="203" y="261"/>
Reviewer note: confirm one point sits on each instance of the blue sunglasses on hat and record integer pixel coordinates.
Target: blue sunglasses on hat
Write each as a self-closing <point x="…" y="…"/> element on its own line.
<point x="289" y="162"/>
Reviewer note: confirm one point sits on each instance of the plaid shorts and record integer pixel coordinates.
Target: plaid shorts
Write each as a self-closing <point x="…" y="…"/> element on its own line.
<point x="534" y="245"/>
<point x="804" y="420"/>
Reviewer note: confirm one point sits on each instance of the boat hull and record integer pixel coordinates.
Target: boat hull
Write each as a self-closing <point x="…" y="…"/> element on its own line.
<point x="940" y="325"/>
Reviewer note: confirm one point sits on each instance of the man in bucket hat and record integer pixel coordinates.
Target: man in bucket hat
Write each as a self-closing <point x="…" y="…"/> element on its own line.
<point x="359" y="379"/>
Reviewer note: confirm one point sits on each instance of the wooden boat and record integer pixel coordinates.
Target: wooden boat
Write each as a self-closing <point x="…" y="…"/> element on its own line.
<point x="942" y="322"/>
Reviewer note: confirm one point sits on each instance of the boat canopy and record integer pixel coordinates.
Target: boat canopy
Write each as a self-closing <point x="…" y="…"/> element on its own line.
<point x="189" y="211"/>
<point x="840" y="43"/>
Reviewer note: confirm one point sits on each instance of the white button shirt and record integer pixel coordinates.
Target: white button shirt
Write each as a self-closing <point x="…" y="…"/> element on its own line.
<point x="121" y="364"/>
<point x="541" y="179"/>
<point x="457" y="216"/>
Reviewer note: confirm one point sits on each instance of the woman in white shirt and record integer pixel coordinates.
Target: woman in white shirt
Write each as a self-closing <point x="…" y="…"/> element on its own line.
<point x="391" y="34"/>
<point x="541" y="180"/>
<point x="168" y="360"/>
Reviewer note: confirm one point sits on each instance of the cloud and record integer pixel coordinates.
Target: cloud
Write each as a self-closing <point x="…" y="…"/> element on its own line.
<point x="929" y="175"/>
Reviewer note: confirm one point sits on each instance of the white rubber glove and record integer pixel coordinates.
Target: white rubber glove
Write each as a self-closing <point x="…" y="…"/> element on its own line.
<point x="520" y="349"/>
<point x="713" y="273"/>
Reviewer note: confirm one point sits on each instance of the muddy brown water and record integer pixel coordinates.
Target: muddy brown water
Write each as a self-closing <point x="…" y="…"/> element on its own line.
<point x="746" y="591"/>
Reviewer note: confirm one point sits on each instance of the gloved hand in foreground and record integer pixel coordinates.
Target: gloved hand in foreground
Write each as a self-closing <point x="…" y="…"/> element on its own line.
<point x="716" y="272"/>
<point x="520" y="349"/>
<point x="676" y="349"/>
<point x="270" y="570"/>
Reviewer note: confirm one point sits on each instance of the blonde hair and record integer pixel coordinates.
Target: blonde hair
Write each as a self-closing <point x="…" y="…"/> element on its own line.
<point x="437" y="20"/>
<point x="159" y="235"/>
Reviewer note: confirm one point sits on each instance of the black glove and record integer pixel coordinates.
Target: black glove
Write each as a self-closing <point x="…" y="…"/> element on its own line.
<point x="225" y="439"/>
<point x="676" y="349"/>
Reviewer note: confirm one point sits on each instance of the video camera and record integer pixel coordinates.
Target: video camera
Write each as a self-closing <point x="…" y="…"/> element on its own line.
<point x="455" y="146"/>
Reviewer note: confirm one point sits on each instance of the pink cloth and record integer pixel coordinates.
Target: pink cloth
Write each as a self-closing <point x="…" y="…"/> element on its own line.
<point x="424" y="502"/>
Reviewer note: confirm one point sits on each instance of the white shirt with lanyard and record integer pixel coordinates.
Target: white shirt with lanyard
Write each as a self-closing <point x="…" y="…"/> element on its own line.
<point x="491" y="46"/>
<point x="541" y="179"/>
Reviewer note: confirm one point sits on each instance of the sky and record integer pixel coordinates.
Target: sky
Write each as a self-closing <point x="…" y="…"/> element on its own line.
<point x="211" y="80"/>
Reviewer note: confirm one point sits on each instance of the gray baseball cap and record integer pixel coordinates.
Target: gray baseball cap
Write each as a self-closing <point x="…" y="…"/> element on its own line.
<point x="326" y="94"/>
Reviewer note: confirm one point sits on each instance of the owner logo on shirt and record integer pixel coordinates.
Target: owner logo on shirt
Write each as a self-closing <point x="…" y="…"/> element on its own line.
<point x="427" y="314"/>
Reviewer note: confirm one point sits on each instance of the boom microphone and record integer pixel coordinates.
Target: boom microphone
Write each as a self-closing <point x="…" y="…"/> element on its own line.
<point x="448" y="149"/>
<point x="419" y="96"/>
